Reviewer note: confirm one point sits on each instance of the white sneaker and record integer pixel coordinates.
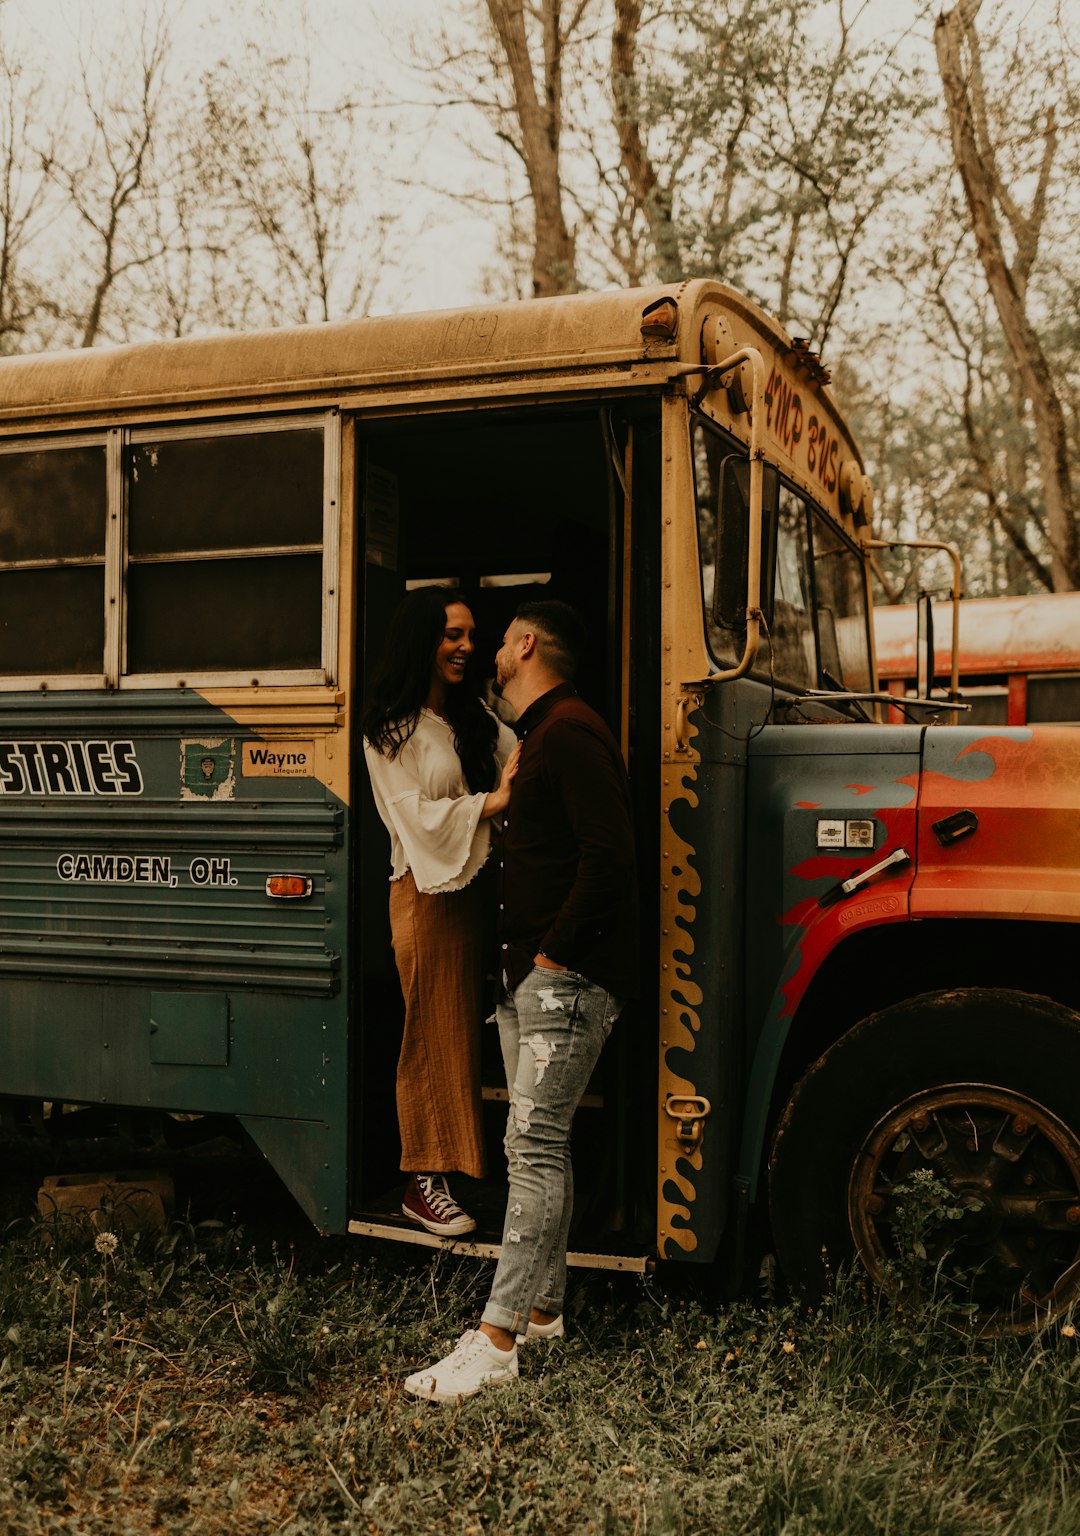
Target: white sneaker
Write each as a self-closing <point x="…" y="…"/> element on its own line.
<point x="474" y="1362"/>
<point x="552" y="1330"/>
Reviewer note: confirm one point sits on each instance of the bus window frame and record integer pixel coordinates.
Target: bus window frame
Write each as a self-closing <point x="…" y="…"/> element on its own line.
<point x="22" y="682"/>
<point x="729" y="467"/>
<point x="116" y="441"/>
<point x="836" y="685"/>
<point x="770" y="543"/>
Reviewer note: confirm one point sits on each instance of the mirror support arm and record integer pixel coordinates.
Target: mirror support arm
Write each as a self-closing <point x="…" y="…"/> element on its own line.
<point x="955" y="594"/>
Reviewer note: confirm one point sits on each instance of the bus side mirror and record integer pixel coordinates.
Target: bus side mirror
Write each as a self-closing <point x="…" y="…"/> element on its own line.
<point x="730" y="543"/>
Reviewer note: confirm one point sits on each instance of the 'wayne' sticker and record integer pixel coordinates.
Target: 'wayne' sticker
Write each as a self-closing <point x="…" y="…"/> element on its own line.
<point x="69" y="768"/>
<point x="278" y="759"/>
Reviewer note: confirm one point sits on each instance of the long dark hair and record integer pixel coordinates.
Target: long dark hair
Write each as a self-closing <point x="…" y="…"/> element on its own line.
<point x="401" y="682"/>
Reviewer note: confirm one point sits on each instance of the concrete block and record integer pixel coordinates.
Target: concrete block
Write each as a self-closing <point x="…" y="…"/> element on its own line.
<point x="139" y="1200"/>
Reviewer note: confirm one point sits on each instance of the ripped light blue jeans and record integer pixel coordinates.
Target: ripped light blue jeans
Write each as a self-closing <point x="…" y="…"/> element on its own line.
<point x="552" y="1029"/>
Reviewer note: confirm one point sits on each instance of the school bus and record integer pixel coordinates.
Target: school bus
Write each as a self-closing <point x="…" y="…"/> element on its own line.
<point x="855" y="935"/>
<point x="1018" y="661"/>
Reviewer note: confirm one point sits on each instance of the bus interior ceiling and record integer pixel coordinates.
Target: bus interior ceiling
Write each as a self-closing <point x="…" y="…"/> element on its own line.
<point x="507" y="506"/>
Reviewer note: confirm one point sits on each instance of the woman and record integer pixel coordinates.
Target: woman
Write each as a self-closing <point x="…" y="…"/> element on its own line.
<point x="441" y="766"/>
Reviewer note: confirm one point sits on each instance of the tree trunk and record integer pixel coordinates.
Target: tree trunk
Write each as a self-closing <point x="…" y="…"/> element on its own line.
<point x="982" y="192"/>
<point x="540" y="125"/>
<point x="652" y="199"/>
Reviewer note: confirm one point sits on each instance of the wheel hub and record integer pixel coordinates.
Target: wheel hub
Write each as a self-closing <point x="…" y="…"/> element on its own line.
<point x="995" y="1206"/>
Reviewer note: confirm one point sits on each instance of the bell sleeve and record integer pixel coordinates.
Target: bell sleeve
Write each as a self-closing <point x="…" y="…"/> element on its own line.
<point x="437" y="836"/>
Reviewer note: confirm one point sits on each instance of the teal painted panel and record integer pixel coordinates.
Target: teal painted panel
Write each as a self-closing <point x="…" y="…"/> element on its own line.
<point x="51" y="1040"/>
<point x="158" y="892"/>
<point x="287" y="1057"/>
<point x="134" y="856"/>
<point x="309" y="1157"/>
<point x="802" y="782"/>
<point x="189" y="1028"/>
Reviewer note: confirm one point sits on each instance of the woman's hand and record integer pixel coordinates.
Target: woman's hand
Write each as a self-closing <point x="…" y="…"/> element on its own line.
<point x="499" y="798"/>
<point x="510" y="768"/>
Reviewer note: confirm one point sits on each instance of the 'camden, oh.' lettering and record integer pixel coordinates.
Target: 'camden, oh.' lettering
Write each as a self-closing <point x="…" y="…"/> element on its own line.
<point x="139" y="869"/>
<point x="69" y="768"/>
<point x="116" y="868"/>
<point x="784" y="416"/>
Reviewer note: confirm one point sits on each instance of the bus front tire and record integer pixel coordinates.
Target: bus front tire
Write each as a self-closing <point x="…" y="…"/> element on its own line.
<point x="976" y="1090"/>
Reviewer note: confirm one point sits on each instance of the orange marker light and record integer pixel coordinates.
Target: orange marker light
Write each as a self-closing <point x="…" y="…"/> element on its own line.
<point x="288" y="886"/>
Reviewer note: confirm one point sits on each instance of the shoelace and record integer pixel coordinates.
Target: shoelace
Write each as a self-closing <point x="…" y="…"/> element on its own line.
<point x="440" y="1201"/>
<point x="472" y="1342"/>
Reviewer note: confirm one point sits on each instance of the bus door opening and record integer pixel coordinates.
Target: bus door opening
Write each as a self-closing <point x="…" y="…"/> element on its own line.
<point x="507" y="507"/>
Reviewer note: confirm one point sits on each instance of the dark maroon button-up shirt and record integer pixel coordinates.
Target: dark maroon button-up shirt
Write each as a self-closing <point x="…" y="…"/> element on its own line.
<point x="567" y="885"/>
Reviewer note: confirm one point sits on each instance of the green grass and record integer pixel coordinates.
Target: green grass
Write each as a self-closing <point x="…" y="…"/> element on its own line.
<point x="199" y="1381"/>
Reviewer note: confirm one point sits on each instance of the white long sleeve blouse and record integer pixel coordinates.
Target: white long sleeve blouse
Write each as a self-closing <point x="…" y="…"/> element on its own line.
<point x="427" y="807"/>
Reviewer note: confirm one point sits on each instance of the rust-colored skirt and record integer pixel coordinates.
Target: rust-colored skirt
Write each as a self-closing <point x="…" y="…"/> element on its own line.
<point x="440" y="945"/>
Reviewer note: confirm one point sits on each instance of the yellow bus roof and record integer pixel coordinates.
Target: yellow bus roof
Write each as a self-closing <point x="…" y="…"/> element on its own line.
<point x="593" y="333"/>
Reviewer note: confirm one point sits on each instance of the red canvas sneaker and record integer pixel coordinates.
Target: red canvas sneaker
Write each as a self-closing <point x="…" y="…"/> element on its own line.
<point x="429" y="1202"/>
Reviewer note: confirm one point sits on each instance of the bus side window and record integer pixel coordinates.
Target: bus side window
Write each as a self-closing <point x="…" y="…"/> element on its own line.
<point x="842" y="609"/>
<point x="52" y="553"/>
<point x="225" y="552"/>
<point x="1053" y="699"/>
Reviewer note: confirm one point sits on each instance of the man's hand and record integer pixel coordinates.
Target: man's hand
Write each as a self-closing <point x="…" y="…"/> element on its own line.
<point x="548" y="965"/>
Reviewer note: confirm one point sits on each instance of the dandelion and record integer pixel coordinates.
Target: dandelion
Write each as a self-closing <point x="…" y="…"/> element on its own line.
<point x="1069" y="1331"/>
<point x="106" y="1244"/>
<point x="701" y="1344"/>
<point x="788" y="1347"/>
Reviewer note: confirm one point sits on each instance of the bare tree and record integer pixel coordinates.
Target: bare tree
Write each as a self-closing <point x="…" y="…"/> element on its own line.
<point x="659" y="138"/>
<point x="110" y="180"/>
<point x="176" y="195"/>
<point x="989" y="199"/>
<point x="27" y="148"/>
<point x="282" y="173"/>
<point x="650" y="195"/>
<point x="774" y="125"/>
<point x="538" y="111"/>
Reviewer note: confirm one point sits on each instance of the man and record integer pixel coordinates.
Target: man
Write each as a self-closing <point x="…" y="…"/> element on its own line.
<point x="568" y="935"/>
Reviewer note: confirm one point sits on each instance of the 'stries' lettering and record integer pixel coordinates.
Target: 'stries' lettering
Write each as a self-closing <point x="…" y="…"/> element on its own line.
<point x="69" y="768"/>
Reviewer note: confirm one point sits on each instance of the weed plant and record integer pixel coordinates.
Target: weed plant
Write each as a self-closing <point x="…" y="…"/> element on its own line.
<point x="202" y="1381"/>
